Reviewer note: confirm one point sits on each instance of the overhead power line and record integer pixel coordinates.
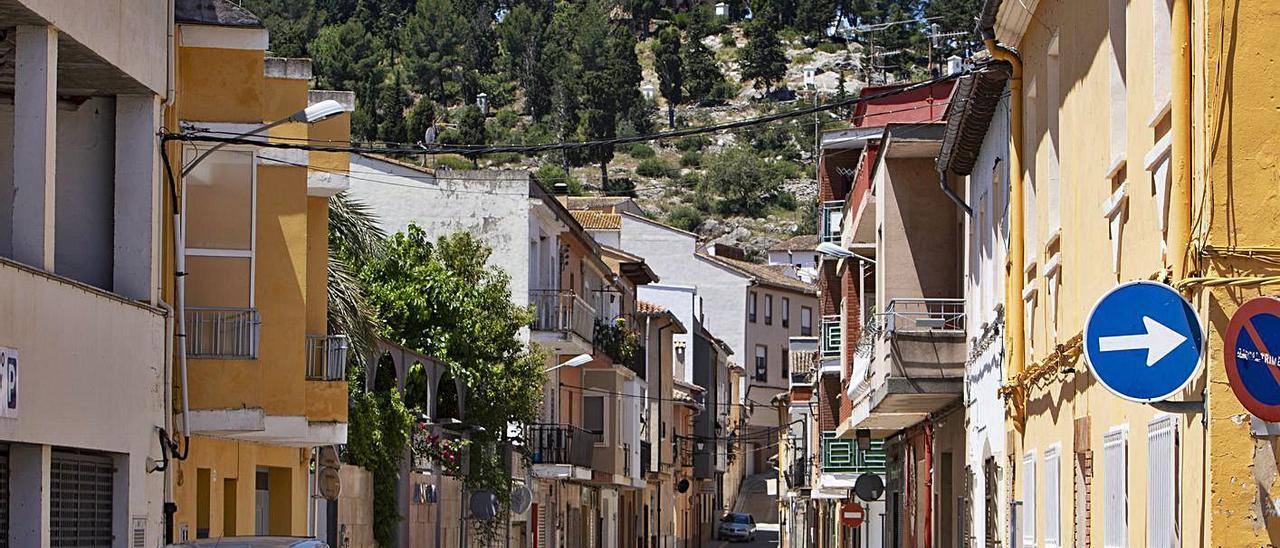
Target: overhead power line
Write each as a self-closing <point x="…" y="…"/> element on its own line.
<point x="475" y="150"/>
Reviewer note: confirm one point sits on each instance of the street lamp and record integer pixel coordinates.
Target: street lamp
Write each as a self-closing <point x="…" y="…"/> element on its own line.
<point x="576" y="361"/>
<point x="315" y="113"/>
<point x="482" y="101"/>
<point x="828" y="248"/>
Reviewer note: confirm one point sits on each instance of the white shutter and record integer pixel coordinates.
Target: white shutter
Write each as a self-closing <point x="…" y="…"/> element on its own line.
<point x="1052" y="497"/>
<point x="1029" y="499"/>
<point x="1115" y="496"/>
<point x="1162" y="482"/>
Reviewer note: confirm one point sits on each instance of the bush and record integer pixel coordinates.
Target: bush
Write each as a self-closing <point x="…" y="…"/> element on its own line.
<point x="692" y="158"/>
<point x="692" y="143"/>
<point x="452" y="161"/>
<point x="829" y="47"/>
<point x="655" y="167"/>
<point x="620" y="186"/>
<point x="501" y="158"/>
<point x="685" y="218"/>
<point x="691" y="179"/>
<point x="640" y="151"/>
<point x="727" y="40"/>
<point x="745" y="182"/>
<point x="549" y="175"/>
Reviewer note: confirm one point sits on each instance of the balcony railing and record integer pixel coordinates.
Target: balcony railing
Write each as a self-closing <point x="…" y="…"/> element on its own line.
<point x="843" y="455"/>
<point x="924" y="316"/>
<point x="684" y="448"/>
<point x="618" y="340"/>
<point x="831" y="339"/>
<point x="647" y="463"/>
<point x="224" y="333"/>
<point x="798" y="474"/>
<point x="560" y="444"/>
<point x="831" y="216"/>
<point x="562" y="312"/>
<point x="326" y="357"/>
<point x="803" y="366"/>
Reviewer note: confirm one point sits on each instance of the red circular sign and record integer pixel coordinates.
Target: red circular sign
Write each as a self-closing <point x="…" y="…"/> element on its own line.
<point x="1251" y="352"/>
<point x="852" y="514"/>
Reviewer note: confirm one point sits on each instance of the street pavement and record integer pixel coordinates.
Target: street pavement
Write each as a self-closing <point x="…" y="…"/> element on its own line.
<point x="766" y="535"/>
<point x="754" y="499"/>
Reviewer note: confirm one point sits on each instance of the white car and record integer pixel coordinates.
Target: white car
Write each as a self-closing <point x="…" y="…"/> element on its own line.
<point x="737" y="526"/>
<point x="253" y="542"/>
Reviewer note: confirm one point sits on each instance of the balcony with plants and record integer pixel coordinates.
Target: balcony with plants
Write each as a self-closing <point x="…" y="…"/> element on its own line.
<point x="622" y="343"/>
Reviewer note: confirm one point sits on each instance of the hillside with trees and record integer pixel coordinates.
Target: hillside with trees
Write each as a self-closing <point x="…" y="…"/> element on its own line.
<point x="535" y="72"/>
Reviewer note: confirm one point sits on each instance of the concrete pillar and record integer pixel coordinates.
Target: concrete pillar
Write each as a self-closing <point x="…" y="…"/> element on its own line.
<point x="29" y="489"/>
<point x="35" y="144"/>
<point x="137" y="197"/>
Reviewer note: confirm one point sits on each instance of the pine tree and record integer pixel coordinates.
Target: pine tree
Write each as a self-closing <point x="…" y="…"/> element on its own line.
<point x="520" y="36"/>
<point x="667" y="62"/>
<point x="346" y="57"/>
<point x="954" y="16"/>
<point x="762" y="58"/>
<point x="701" y="69"/>
<point x="292" y="24"/>
<point x="433" y="50"/>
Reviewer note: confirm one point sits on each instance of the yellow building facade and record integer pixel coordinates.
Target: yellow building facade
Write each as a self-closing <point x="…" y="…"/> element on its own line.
<point x="265" y="381"/>
<point x="1141" y="149"/>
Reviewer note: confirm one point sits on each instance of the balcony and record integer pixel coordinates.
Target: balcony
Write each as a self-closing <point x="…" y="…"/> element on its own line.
<point x="621" y="343"/>
<point x="831" y="216"/>
<point x="565" y="316"/>
<point x="647" y="463"/>
<point x="222" y="333"/>
<point x="560" y="444"/>
<point x="803" y="366"/>
<point x="798" y="474"/>
<point x="935" y="316"/>
<point x="842" y="456"/>
<point x="831" y="337"/>
<point x="326" y="357"/>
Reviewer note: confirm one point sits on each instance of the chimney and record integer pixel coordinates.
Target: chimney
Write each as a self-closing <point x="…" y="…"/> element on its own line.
<point x="560" y="189"/>
<point x="954" y="64"/>
<point x="727" y="251"/>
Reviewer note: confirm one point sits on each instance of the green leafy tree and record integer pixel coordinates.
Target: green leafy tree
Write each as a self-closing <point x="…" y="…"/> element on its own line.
<point x="702" y="72"/>
<point x="393" y="103"/>
<point x="670" y="68"/>
<point x="346" y="57"/>
<point x="745" y="182"/>
<point x="443" y="299"/>
<point x="433" y="53"/>
<point x="292" y="24"/>
<point x="954" y="16"/>
<point x="812" y="17"/>
<point x="520" y="36"/>
<point x="762" y="58"/>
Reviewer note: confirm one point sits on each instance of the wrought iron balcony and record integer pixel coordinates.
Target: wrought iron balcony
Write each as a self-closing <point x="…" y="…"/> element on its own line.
<point x="647" y="463"/>
<point x="798" y="475"/>
<point x="560" y="444"/>
<point x="831" y="337"/>
<point x="563" y="312"/>
<point x="843" y="455"/>
<point x="326" y="357"/>
<point x="222" y="333"/>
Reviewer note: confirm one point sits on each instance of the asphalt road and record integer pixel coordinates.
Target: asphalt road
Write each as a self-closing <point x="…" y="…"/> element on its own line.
<point x="766" y="535"/>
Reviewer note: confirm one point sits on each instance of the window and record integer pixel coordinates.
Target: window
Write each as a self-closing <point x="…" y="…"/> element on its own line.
<point x="768" y="309"/>
<point x="593" y="415"/>
<point x="762" y="362"/>
<point x="806" y="321"/>
<point x="786" y="359"/>
<point x="1054" y="100"/>
<point x="1162" y="480"/>
<point x="1052" y="496"/>
<point x="1115" y="488"/>
<point x="1029" y="499"/>
<point x="81" y="497"/>
<point x="219" y="201"/>
<point x="1117" y="21"/>
<point x="786" y="312"/>
<point x="751" y="306"/>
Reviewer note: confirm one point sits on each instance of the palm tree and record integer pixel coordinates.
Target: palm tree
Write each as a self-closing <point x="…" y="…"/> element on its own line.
<point x="354" y="237"/>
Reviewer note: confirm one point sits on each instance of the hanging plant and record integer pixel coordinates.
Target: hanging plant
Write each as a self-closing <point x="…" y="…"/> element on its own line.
<point x="444" y="452"/>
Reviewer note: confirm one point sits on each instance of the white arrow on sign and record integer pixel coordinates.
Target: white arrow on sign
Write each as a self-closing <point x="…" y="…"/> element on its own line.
<point x="1159" y="341"/>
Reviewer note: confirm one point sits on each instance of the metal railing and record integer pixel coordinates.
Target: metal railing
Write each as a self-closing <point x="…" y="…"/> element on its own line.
<point x="560" y="444"/>
<point x="799" y="475"/>
<point x="831" y="337"/>
<point x="326" y="357"/>
<point x="226" y="333"/>
<point x="803" y="366"/>
<point x="647" y="463"/>
<point x="563" y="312"/>
<point x="843" y="455"/>
<point x="831" y="217"/>
<point x="924" y="316"/>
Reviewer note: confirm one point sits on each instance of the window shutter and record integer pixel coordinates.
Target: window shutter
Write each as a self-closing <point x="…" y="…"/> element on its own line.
<point x="1115" y="496"/>
<point x="1052" y="497"/>
<point x="1029" y="499"/>
<point x="1162" y="482"/>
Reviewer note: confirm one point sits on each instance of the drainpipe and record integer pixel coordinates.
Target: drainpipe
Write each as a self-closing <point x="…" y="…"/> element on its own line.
<point x="1180" y="113"/>
<point x="1015" y="335"/>
<point x="928" y="483"/>
<point x="946" y="189"/>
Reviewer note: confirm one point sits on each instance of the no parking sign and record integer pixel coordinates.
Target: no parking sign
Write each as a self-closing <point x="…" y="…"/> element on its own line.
<point x="1252" y="359"/>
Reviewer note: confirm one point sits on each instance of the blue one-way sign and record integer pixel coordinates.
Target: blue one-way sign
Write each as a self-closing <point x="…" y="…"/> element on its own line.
<point x="1143" y="341"/>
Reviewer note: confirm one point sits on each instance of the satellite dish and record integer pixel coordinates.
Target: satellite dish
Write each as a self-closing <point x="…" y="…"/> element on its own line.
<point x="521" y="499"/>
<point x="330" y="483"/>
<point x="683" y="486"/>
<point x="329" y="457"/>
<point x="869" y="487"/>
<point x="484" y="505"/>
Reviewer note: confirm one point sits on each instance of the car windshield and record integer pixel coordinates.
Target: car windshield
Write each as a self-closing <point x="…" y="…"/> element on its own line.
<point x="736" y="518"/>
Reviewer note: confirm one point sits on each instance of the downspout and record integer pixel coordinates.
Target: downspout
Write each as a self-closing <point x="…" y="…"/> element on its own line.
<point x="946" y="189"/>
<point x="1014" y="335"/>
<point x="1180" y="113"/>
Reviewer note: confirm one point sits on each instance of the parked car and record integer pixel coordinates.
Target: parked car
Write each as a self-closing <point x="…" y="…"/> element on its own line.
<point x="253" y="542"/>
<point x="737" y="526"/>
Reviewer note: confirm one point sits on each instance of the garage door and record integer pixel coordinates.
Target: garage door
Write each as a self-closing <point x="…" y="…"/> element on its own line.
<point x="80" y="499"/>
<point x="4" y="496"/>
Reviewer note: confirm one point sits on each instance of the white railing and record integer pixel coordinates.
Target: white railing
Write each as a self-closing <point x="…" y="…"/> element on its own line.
<point x="222" y="333"/>
<point x="831" y="217"/>
<point x="924" y="316"/>
<point x="326" y="357"/>
<point x="832" y="337"/>
<point x="562" y="311"/>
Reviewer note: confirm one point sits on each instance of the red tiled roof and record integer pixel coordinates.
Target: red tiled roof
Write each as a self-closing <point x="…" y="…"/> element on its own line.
<point x="649" y="308"/>
<point x="595" y="220"/>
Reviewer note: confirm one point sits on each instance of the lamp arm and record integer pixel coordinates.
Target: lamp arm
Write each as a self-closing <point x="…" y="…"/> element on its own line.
<point x="187" y="169"/>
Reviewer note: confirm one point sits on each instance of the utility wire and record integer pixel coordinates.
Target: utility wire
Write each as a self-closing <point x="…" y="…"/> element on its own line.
<point x="490" y="149"/>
